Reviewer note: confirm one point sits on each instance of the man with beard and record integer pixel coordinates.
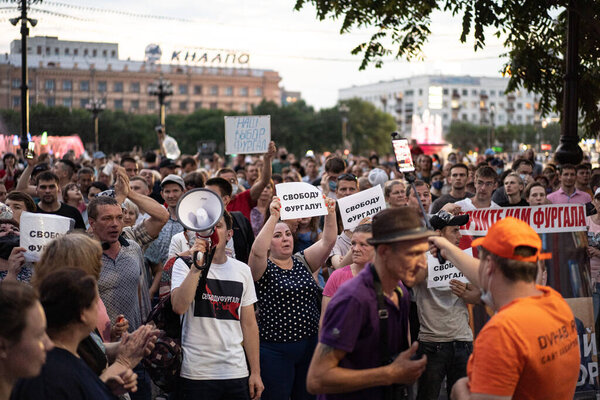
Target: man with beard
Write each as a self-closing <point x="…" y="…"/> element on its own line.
<point x="47" y="191"/>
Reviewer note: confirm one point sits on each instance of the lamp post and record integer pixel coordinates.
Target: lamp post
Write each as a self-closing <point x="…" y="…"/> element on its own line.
<point x="95" y="106"/>
<point x="493" y="126"/>
<point x="344" y="110"/>
<point x="162" y="88"/>
<point x="24" y="80"/>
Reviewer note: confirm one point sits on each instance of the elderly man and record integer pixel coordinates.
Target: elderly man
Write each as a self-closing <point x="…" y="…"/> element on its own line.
<point x="363" y="350"/>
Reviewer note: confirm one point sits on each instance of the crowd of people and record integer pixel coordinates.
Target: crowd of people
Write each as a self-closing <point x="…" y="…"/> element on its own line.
<point x="289" y="309"/>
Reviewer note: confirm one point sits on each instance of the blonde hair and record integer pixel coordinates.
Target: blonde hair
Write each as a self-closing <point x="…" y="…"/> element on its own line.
<point x="73" y="250"/>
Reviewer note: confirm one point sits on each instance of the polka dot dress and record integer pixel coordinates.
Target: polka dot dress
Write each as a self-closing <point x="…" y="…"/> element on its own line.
<point x="288" y="303"/>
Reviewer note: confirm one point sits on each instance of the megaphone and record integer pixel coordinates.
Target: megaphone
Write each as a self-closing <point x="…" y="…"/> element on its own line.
<point x="199" y="210"/>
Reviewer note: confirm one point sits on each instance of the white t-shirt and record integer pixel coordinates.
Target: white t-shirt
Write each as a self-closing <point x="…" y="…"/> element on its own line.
<point x="179" y="244"/>
<point x="467" y="205"/>
<point x="212" y="333"/>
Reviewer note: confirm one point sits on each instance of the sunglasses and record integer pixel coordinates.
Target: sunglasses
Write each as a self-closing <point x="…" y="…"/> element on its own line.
<point x="347" y="177"/>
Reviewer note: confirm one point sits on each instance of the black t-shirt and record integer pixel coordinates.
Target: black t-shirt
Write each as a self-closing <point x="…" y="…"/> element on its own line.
<point x="67" y="211"/>
<point x="522" y="203"/>
<point x="63" y="377"/>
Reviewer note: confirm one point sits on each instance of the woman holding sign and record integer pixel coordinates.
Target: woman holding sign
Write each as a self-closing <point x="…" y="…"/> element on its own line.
<point x="289" y="302"/>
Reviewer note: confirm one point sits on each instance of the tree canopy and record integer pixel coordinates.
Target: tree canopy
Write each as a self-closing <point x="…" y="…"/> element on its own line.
<point x="534" y="33"/>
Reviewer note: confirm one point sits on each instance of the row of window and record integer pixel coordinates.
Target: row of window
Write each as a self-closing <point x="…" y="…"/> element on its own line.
<point x="75" y="52"/>
<point x="135" y="87"/>
<point x="465" y="92"/>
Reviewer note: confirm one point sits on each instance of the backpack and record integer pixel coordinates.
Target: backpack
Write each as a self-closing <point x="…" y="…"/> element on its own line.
<point x="164" y="362"/>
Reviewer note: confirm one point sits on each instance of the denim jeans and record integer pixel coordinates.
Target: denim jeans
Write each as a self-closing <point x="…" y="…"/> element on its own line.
<point x="444" y="359"/>
<point x="223" y="389"/>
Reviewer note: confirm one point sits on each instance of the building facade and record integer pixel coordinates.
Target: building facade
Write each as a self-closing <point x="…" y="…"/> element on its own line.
<point x="478" y="100"/>
<point x="69" y="73"/>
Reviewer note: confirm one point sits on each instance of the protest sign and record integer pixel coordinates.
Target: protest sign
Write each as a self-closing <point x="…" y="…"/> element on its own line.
<point x="39" y="229"/>
<point x="551" y="218"/>
<point x="300" y="200"/>
<point x="440" y="275"/>
<point x="247" y="134"/>
<point x="358" y="206"/>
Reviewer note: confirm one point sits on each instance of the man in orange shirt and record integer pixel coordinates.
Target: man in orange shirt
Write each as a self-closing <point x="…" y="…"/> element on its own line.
<point x="529" y="349"/>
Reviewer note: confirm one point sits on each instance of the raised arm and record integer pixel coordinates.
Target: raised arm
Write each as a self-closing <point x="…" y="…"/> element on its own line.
<point x="468" y="265"/>
<point x="265" y="174"/>
<point x="23" y="182"/>
<point x="317" y="254"/>
<point x="260" y="249"/>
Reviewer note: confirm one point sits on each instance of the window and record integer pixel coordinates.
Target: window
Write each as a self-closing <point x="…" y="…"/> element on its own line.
<point x="67" y="84"/>
<point x="183" y="105"/>
<point x="49" y="84"/>
<point x="135" y="104"/>
<point x="56" y="51"/>
<point x="197" y="89"/>
<point x="76" y="52"/>
<point x="213" y="106"/>
<point x="464" y="117"/>
<point x="420" y="92"/>
<point x="474" y="92"/>
<point x="104" y="53"/>
<point x="67" y="51"/>
<point x="258" y="92"/>
<point x="50" y="101"/>
<point x="229" y="91"/>
<point x="39" y="50"/>
<point x="83" y="103"/>
<point x="409" y="93"/>
<point x="16" y="101"/>
<point x="47" y="51"/>
<point x="445" y="91"/>
<point x="168" y="105"/>
<point x="519" y="106"/>
<point x="465" y="92"/>
<point x="84" y="86"/>
<point x="118" y="87"/>
<point x="214" y="90"/>
<point x="197" y="105"/>
<point x="102" y="86"/>
<point x="15" y="83"/>
<point x="118" y="104"/>
<point x="244" y="107"/>
<point x="134" y="87"/>
<point x="94" y="53"/>
<point x="519" y="118"/>
<point x="493" y="93"/>
<point x="113" y="54"/>
<point x="151" y="105"/>
<point x="68" y="102"/>
<point x="183" y="89"/>
<point x="85" y="52"/>
<point x="244" y="91"/>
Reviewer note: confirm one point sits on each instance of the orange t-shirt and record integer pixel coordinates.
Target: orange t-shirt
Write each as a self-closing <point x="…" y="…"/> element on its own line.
<point x="528" y="350"/>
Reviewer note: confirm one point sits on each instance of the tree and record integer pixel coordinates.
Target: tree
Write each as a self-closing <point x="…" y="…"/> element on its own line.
<point x="534" y="33"/>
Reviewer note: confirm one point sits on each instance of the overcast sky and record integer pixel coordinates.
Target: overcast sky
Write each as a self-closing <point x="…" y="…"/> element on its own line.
<point x="310" y="55"/>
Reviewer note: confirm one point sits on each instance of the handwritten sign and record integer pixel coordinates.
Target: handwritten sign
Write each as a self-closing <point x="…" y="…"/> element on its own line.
<point x="247" y="134"/>
<point x="39" y="229"/>
<point x="543" y="219"/>
<point x="440" y="275"/>
<point x="300" y="200"/>
<point x="358" y="206"/>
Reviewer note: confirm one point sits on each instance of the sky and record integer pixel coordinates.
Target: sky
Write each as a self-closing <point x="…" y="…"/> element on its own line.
<point x="310" y="55"/>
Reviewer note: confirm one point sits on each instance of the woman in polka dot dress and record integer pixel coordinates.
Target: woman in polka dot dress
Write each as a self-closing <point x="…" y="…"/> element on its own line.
<point x="288" y="302"/>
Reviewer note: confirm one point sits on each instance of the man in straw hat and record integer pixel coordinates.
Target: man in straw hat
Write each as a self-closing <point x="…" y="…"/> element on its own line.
<point x="363" y="350"/>
<point x="529" y="349"/>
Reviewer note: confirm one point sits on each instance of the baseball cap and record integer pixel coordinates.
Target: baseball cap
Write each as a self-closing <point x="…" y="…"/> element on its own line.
<point x="99" y="155"/>
<point x="172" y="178"/>
<point x="443" y="219"/>
<point x="377" y="176"/>
<point x="508" y="234"/>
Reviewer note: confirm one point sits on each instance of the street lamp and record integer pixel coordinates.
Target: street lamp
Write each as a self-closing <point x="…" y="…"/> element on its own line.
<point x="95" y="106"/>
<point x="493" y="127"/>
<point x="162" y="88"/>
<point x="344" y="110"/>
<point x="24" y="80"/>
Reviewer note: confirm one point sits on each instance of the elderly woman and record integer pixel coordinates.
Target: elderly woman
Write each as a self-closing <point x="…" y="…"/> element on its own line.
<point x="23" y="339"/>
<point x="70" y="300"/>
<point x="395" y="193"/>
<point x="288" y="302"/>
<point x="131" y="213"/>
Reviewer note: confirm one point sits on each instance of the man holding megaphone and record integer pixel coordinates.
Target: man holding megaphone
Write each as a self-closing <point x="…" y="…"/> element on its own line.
<point x="219" y="317"/>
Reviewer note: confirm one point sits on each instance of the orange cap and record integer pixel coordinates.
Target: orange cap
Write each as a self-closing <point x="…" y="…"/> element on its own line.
<point x="508" y="234"/>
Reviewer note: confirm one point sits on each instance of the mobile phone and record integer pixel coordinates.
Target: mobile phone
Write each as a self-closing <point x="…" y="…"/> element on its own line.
<point x="403" y="156"/>
<point x="30" y="150"/>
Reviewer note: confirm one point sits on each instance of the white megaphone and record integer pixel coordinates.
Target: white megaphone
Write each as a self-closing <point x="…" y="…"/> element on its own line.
<point x="199" y="210"/>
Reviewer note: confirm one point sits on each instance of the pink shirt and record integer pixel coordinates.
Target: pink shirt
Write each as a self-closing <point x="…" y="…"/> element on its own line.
<point x="594" y="261"/>
<point x="103" y="323"/>
<point x="336" y="279"/>
<point x="578" y="197"/>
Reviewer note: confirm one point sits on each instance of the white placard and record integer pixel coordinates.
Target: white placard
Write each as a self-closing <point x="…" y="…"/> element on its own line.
<point x="249" y="134"/>
<point x="39" y="229"/>
<point x="358" y="206"/>
<point x="300" y="200"/>
<point x="440" y="275"/>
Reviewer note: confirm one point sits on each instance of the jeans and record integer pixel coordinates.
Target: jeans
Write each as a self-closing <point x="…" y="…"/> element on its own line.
<point x="222" y="389"/>
<point x="444" y="359"/>
<point x="283" y="369"/>
<point x="144" y="387"/>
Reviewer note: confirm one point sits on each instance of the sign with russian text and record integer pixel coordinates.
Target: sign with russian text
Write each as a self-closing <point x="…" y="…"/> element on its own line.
<point x="358" y="206"/>
<point x="247" y="134"/>
<point x="37" y="230"/>
<point x="440" y="275"/>
<point x="552" y="218"/>
<point x="300" y="200"/>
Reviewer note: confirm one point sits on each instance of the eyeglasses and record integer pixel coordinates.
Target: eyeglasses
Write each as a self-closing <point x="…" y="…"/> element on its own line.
<point x="347" y="177"/>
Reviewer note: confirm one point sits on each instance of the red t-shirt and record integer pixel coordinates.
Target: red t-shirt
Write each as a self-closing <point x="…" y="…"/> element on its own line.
<point x="242" y="202"/>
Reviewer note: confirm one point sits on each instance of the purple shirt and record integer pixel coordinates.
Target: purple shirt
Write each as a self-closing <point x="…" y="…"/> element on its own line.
<point x="578" y="197"/>
<point x="351" y="324"/>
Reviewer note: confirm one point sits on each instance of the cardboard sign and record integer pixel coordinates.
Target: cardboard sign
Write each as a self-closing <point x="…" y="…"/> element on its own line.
<point x="247" y="134"/>
<point x="300" y="200"/>
<point x="550" y="218"/>
<point x="358" y="206"/>
<point x="39" y="229"/>
<point x="440" y="275"/>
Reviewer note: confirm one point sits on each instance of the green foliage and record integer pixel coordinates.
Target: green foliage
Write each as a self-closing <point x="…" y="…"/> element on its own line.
<point x="535" y="32"/>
